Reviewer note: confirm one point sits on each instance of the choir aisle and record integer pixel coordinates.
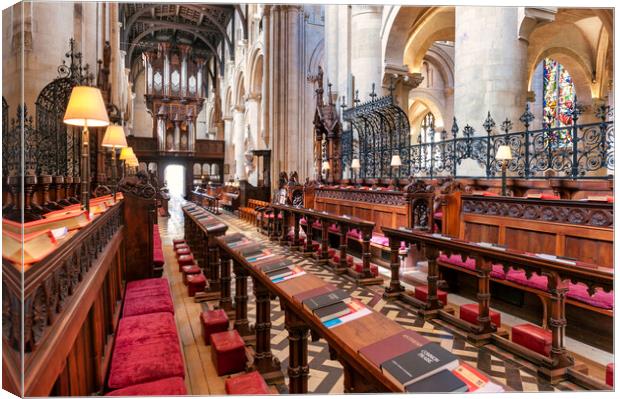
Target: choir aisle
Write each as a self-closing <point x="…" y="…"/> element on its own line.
<point x="326" y="376"/>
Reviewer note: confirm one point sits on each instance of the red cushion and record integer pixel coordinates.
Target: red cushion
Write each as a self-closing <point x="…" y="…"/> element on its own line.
<point x="549" y="197"/>
<point x="195" y="283"/>
<point x="609" y="374"/>
<point x="147" y="283"/>
<point x="148" y="304"/>
<point x="421" y="293"/>
<point x="213" y="321"/>
<point x="536" y="281"/>
<point x="359" y="266"/>
<point x="470" y="263"/>
<point x="303" y="221"/>
<point x="334" y="228"/>
<point x="178" y="240"/>
<point x="158" y="257"/>
<point x="146" y="349"/>
<point x="185" y="260"/>
<point x="177" y="247"/>
<point x="247" y="384"/>
<point x="336" y="259"/>
<point x="355" y="234"/>
<point x="380" y="240"/>
<point x="164" y="387"/>
<point x="469" y="313"/>
<point x="228" y="352"/>
<point x="532" y="337"/>
<point x="183" y="251"/>
<point x="438" y="215"/>
<point x="191" y="269"/>
<point x="601" y="299"/>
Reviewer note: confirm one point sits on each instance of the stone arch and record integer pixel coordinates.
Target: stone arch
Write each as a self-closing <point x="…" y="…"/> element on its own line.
<point x="317" y="59"/>
<point x="256" y="70"/>
<point x="396" y="30"/>
<point x="420" y="105"/>
<point x="228" y="101"/>
<point x="239" y="89"/>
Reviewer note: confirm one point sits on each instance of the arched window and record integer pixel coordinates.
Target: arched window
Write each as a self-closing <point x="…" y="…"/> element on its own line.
<point x="558" y="98"/>
<point x="427" y="128"/>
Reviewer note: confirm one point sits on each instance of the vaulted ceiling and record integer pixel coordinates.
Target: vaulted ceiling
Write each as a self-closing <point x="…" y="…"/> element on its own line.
<point x="203" y="26"/>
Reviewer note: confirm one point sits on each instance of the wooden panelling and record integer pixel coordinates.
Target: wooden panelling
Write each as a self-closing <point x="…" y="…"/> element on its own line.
<point x="481" y="232"/>
<point x="529" y="240"/>
<point x="590" y="250"/>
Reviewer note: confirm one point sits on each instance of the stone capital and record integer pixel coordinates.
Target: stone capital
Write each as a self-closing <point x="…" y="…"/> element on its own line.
<point x="238" y="108"/>
<point x="401" y="76"/>
<point x="253" y="96"/>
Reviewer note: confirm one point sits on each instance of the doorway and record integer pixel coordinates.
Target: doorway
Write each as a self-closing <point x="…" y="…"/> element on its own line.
<point x="174" y="178"/>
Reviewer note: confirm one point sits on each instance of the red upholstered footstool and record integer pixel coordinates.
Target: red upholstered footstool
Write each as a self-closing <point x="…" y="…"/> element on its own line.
<point x="532" y="337"/>
<point x="315" y="245"/>
<point x="185" y="260"/>
<point x="178" y="241"/>
<point x="178" y="247"/>
<point x="358" y="267"/>
<point x="213" y="321"/>
<point x="469" y="313"/>
<point x="196" y="283"/>
<point x="190" y="270"/>
<point x="421" y="293"/>
<point x="609" y="374"/>
<point x="336" y="259"/>
<point x="247" y="384"/>
<point x="228" y="352"/>
<point x="183" y="251"/>
<point x="164" y="387"/>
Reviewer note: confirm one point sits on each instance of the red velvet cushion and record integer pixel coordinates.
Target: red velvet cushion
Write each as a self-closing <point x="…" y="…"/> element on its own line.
<point x="147" y="283"/>
<point x="178" y="240"/>
<point x="228" y="352"/>
<point x="421" y="293"/>
<point x="183" y="251"/>
<point x="532" y="337"/>
<point x="609" y="374"/>
<point x="158" y="257"/>
<point x="191" y="269"/>
<point x="536" y="281"/>
<point x="380" y="240"/>
<point x="470" y="263"/>
<point x="354" y="233"/>
<point x="358" y="267"/>
<point x="164" y="387"/>
<point x="185" y="260"/>
<point x="601" y="299"/>
<point x="148" y="304"/>
<point x="333" y="228"/>
<point x="247" y="384"/>
<point x="213" y="321"/>
<point x="179" y="246"/>
<point x="438" y="215"/>
<point x="142" y="328"/>
<point x="469" y="313"/>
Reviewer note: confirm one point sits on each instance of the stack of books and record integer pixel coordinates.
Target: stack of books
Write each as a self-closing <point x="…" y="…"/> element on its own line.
<point x="331" y="305"/>
<point x="416" y="364"/>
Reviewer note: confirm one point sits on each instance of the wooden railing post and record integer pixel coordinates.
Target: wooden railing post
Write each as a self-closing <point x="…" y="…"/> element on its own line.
<point x="298" y="369"/>
<point x="242" y="325"/>
<point x="395" y="288"/>
<point x="560" y="357"/>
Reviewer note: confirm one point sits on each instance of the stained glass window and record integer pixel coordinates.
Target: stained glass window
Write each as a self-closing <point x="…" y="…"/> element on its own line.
<point x="427" y="128"/>
<point x="558" y="97"/>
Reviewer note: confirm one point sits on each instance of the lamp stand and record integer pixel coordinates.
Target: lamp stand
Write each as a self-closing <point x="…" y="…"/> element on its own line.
<point x="355" y="177"/>
<point x="504" y="165"/>
<point x="395" y="182"/>
<point x="114" y="182"/>
<point x="85" y="172"/>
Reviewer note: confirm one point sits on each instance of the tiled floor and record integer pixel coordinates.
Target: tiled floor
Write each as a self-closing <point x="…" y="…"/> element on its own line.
<point x="325" y="375"/>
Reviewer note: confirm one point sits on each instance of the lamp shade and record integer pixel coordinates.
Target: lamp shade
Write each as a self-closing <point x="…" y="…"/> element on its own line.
<point x="395" y="161"/>
<point x="114" y="137"/>
<point x="126" y="153"/>
<point x="326" y="165"/>
<point x="86" y="108"/>
<point x="503" y="153"/>
<point x="355" y="164"/>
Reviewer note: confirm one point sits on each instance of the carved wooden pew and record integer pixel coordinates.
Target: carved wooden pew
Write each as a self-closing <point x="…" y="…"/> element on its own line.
<point x="558" y="273"/>
<point x="207" y="201"/>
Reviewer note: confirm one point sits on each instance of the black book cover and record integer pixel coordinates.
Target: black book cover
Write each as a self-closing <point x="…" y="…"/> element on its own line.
<point x="251" y="250"/>
<point x="444" y="381"/>
<point x="332" y="311"/>
<point x="282" y="264"/>
<point x="279" y="273"/>
<point x="330" y="298"/>
<point x="418" y="364"/>
<point x="232" y="237"/>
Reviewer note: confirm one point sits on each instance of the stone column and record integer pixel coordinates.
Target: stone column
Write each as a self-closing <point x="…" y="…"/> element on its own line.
<point x="253" y="119"/>
<point x="331" y="42"/>
<point x="229" y="155"/>
<point x="238" y="123"/>
<point x="366" y="48"/>
<point x="490" y="66"/>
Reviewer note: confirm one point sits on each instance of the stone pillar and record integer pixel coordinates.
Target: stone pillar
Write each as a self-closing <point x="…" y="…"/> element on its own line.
<point x="331" y="42"/>
<point x="238" y="139"/>
<point x="490" y="71"/>
<point x="229" y="155"/>
<point x="253" y="119"/>
<point x="366" y="48"/>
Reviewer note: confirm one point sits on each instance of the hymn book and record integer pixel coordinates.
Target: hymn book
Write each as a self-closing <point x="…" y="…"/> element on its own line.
<point x="390" y="347"/>
<point x="229" y="238"/>
<point x="315" y="292"/>
<point x="332" y="311"/>
<point x="418" y="364"/>
<point x="444" y="381"/>
<point x="339" y="295"/>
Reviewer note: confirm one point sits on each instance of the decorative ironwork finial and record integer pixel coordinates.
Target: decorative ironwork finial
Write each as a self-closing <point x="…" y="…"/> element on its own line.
<point x="329" y="93"/>
<point x="455" y="127"/>
<point x="468" y="131"/>
<point x="602" y="111"/>
<point x="372" y="94"/>
<point x="343" y="102"/>
<point x="576" y="110"/>
<point x="489" y="123"/>
<point x="443" y="135"/>
<point x="506" y="125"/>
<point x="356" y="101"/>
<point x="527" y="117"/>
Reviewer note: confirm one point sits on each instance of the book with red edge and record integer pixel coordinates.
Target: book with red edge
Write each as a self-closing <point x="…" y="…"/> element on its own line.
<point x="470" y="376"/>
<point x="418" y="364"/>
<point x="279" y="273"/>
<point x="392" y="346"/>
<point x="332" y="311"/>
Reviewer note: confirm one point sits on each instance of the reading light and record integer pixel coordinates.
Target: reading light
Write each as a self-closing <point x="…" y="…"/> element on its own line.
<point x="114" y="138"/>
<point x="503" y="155"/>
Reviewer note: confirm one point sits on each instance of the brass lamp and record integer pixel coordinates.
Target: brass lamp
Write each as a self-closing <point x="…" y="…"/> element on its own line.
<point x="114" y="138"/>
<point x="503" y="155"/>
<point x="87" y="109"/>
<point x="355" y="167"/>
<point x="395" y="163"/>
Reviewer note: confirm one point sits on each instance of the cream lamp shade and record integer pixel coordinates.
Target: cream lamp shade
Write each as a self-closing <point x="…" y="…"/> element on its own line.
<point x="355" y="164"/>
<point x="86" y="108"/>
<point x="126" y="153"/>
<point x="395" y="161"/>
<point x="503" y="153"/>
<point x="114" y="137"/>
<point x="326" y="165"/>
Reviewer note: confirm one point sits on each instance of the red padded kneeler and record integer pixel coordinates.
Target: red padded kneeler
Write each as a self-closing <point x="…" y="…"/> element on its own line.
<point x="196" y="283"/>
<point x="183" y="251"/>
<point x="178" y="247"/>
<point x="469" y="313"/>
<point x="189" y="270"/>
<point x="247" y="384"/>
<point x="147" y="303"/>
<point x="358" y="267"/>
<point x="165" y="387"/>
<point x="185" y="260"/>
<point x="213" y="321"/>
<point x="609" y="374"/>
<point x="228" y="352"/>
<point x="532" y="337"/>
<point x="421" y="293"/>
<point x="336" y="259"/>
<point x="147" y="283"/>
<point x="178" y="241"/>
